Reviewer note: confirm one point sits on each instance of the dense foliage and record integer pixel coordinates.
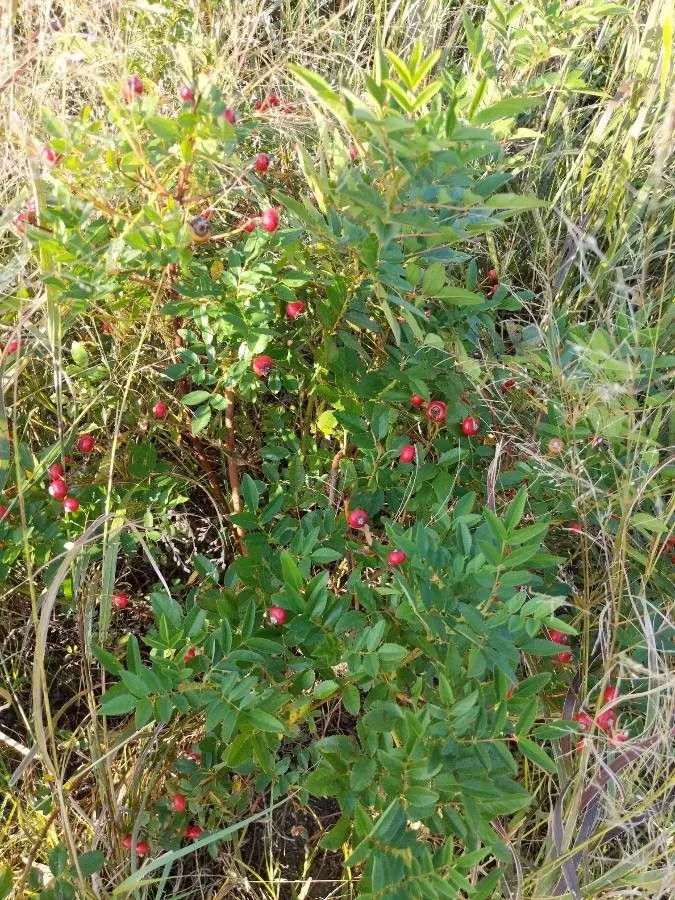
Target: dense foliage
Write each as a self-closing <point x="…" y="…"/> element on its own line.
<point x="310" y="489"/>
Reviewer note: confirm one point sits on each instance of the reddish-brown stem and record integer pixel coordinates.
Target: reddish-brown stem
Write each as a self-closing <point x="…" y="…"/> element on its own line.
<point x="232" y="467"/>
<point x="332" y="480"/>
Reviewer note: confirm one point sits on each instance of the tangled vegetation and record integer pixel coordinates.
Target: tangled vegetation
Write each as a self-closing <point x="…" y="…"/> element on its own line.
<point x="336" y="450"/>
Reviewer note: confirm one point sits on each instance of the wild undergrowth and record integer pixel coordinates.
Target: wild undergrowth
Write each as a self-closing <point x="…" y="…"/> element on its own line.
<point x="453" y="315"/>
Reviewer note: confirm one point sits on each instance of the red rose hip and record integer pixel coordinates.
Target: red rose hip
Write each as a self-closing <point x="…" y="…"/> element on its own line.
<point x="126" y="842"/>
<point x="396" y="558"/>
<point x="563" y="657"/>
<point x="276" y="615"/>
<point x="407" y="454"/>
<point x="262" y="365"/>
<point x="142" y="848"/>
<point x="70" y="505"/>
<point x="269" y="219"/>
<point x="294" y="309"/>
<point x="121" y="601"/>
<point x="160" y="410"/>
<point x="55" y="471"/>
<point x="85" y="443"/>
<point x="262" y="162"/>
<point x="437" y="411"/>
<point x="51" y="157"/>
<point x="417" y="401"/>
<point x="357" y="518"/>
<point x="192" y="832"/>
<point x="584" y="720"/>
<point x="133" y="87"/>
<point x="610" y="694"/>
<point x="185" y="93"/>
<point x="470" y="426"/>
<point x="558" y="637"/>
<point x="607" y="719"/>
<point x="179" y="803"/>
<point x="57" y="489"/>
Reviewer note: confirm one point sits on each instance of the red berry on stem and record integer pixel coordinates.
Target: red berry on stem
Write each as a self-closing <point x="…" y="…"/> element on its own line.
<point x="70" y="505"/>
<point x="179" y="803"/>
<point x="396" y="558"/>
<point x="437" y="411"/>
<point x="192" y="832"/>
<point x="276" y="615"/>
<point x="262" y="365"/>
<point x="294" y="309"/>
<point x="575" y="528"/>
<point x="189" y="654"/>
<point x="55" y="471"/>
<point x="250" y="225"/>
<point x="507" y="385"/>
<point x="194" y="755"/>
<point x="407" y="454"/>
<point x="273" y="100"/>
<point x="357" y="518"/>
<point x="229" y="116"/>
<point x="563" y="657"/>
<point x="160" y="410"/>
<point x="133" y="87"/>
<point x="262" y="162"/>
<point x="470" y="426"/>
<point x="142" y="848"/>
<point x="269" y="219"/>
<point x="558" y="637"/>
<point x="126" y="842"/>
<point x="185" y="93"/>
<point x="584" y="720"/>
<point x="417" y="401"/>
<point x="121" y="601"/>
<point x="57" y="489"/>
<point x="607" y="719"/>
<point x="85" y="443"/>
<point x="51" y="157"/>
<point x="610" y="694"/>
<point x="12" y="347"/>
<point x="492" y="275"/>
<point x="353" y="151"/>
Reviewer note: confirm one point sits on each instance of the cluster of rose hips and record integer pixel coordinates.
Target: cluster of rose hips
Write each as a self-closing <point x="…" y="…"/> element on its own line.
<point x="606" y="719"/>
<point x="192" y="832"/>
<point x="559" y="637"/>
<point x="436" y="411"/>
<point x="58" y="488"/>
<point x="358" y="518"/>
<point x="269" y="218"/>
